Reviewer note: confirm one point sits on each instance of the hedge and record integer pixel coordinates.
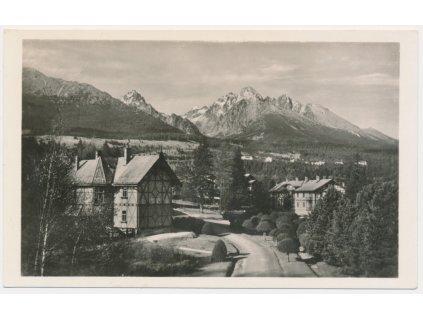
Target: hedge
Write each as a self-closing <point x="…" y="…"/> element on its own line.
<point x="255" y="220"/>
<point x="249" y="227"/>
<point x="207" y="229"/>
<point x="288" y="245"/>
<point x="188" y="223"/>
<point x="282" y="236"/>
<point x="265" y="226"/>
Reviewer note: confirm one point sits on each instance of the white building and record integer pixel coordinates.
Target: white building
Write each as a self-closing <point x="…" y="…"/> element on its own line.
<point x="268" y="159"/>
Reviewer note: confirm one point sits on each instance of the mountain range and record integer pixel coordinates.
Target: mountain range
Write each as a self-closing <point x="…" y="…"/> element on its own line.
<point x="51" y="104"/>
<point x="67" y="107"/>
<point x="249" y="116"/>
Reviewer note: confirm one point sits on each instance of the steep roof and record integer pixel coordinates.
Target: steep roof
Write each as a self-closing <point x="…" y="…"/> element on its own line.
<point x="313" y="185"/>
<point x="93" y="172"/>
<point x="137" y="168"/>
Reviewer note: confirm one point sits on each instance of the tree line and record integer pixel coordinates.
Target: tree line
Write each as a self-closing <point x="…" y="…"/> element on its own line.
<point x="361" y="234"/>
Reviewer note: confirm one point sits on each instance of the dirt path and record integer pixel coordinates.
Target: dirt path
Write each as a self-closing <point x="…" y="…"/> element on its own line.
<point x="258" y="261"/>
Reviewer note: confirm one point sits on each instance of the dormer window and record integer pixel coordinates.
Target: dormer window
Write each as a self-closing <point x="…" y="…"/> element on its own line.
<point x="124" y="193"/>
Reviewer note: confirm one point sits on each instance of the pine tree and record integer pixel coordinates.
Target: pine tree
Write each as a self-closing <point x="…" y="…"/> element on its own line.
<point x="202" y="181"/>
<point x="239" y="185"/>
<point x="222" y="172"/>
<point x="376" y="231"/>
<point x="338" y="248"/>
<point x="320" y="220"/>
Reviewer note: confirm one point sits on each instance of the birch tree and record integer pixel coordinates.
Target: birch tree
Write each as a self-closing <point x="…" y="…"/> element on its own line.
<point x="54" y="192"/>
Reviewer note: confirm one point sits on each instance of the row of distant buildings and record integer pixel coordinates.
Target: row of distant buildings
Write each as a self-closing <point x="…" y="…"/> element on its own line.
<point x="290" y="156"/>
<point x="293" y="157"/>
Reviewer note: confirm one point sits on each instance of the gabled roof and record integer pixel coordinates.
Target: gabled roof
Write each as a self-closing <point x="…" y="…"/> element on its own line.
<point x="93" y="172"/>
<point x="313" y="185"/>
<point x="283" y="185"/>
<point x="137" y="168"/>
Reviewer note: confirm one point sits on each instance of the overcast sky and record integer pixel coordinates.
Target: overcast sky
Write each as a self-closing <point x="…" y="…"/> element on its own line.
<point x="358" y="81"/>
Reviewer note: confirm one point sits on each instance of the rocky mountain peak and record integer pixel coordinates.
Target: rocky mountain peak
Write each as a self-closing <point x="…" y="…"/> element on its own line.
<point x="250" y="93"/>
<point x="133" y="98"/>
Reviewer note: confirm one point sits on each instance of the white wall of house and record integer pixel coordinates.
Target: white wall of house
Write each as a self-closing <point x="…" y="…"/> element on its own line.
<point x="304" y="202"/>
<point x="126" y="208"/>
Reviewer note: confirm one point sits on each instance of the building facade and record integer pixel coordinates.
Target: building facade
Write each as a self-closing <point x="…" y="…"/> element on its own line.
<point x="306" y="196"/>
<point x="279" y="192"/>
<point x="93" y="185"/>
<point x="143" y="192"/>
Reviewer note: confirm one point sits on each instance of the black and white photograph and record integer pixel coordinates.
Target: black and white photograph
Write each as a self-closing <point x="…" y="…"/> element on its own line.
<point x="202" y="158"/>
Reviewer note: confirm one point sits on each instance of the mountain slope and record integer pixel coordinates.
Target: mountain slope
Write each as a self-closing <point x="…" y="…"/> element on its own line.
<point x="135" y="99"/>
<point x="248" y="115"/>
<point x="51" y="104"/>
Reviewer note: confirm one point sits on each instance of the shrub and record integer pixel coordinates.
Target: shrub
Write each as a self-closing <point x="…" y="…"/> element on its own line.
<point x="255" y="220"/>
<point x="281" y="221"/>
<point x="284" y="218"/>
<point x="207" y="229"/>
<point x="285" y="228"/>
<point x="266" y="217"/>
<point x="288" y="245"/>
<point x="304" y="239"/>
<point x="265" y="226"/>
<point x="249" y="227"/>
<point x="274" y="232"/>
<point x="282" y="236"/>
<point x="188" y="223"/>
<point x="301" y="229"/>
<point x="275" y="215"/>
<point x="219" y="252"/>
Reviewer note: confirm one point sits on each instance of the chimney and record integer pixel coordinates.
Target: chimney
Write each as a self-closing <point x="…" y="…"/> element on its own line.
<point x="343" y="184"/>
<point x="76" y="162"/>
<point x="127" y="154"/>
<point x="286" y="179"/>
<point x="296" y="178"/>
<point x="317" y="178"/>
<point x="305" y="179"/>
<point x="96" y="154"/>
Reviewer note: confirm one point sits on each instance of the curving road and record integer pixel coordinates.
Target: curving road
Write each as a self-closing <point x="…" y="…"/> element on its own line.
<point x="259" y="261"/>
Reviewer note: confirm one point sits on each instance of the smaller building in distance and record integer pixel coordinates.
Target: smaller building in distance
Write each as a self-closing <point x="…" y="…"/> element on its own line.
<point x="92" y="181"/>
<point x="362" y="163"/>
<point x="251" y="181"/>
<point x="280" y="190"/>
<point x="247" y="157"/>
<point x="307" y="195"/>
<point x="318" y="163"/>
<point x="339" y="162"/>
<point x="268" y="159"/>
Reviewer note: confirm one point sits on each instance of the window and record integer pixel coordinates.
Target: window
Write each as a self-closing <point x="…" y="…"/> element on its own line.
<point x="303" y="194"/>
<point x="303" y="204"/>
<point x="124" y="193"/>
<point x="298" y="204"/>
<point x="124" y="216"/>
<point x="98" y="195"/>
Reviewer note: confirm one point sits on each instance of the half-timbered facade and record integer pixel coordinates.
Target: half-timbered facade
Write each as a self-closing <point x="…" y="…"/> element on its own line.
<point x="143" y="192"/>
